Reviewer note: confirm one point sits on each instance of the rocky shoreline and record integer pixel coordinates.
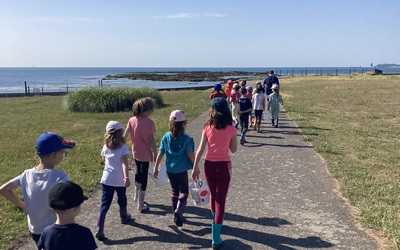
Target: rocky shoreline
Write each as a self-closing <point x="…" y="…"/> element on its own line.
<point x="192" y="76"/>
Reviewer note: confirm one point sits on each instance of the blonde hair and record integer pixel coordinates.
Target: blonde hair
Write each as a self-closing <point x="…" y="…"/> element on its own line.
<point x="143" y="105"/>
<point x="114" y="140"/>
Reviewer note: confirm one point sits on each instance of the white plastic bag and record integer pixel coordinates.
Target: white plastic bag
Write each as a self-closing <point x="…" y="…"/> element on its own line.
<point x="162" y="178"/>
<point x="200" y="193"/>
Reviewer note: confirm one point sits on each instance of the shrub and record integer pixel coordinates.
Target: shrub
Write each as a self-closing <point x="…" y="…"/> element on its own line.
<point x="108" y="99"/>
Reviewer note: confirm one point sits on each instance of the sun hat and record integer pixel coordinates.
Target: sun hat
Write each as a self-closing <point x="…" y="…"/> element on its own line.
<point x="113" y="126"/>
<point x="50" y="142"/>
<point x="217" y="86"/>
<point x="275" y="86"/>
<point x="249" y="88"/>
<point x="177" y="116"/>
<point x="229" y="83"/>
<point x="66" y="195"/>
<point x="219" y="104"/>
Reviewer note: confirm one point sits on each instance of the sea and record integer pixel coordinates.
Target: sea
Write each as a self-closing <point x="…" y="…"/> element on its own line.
<point x="65" y="79"/>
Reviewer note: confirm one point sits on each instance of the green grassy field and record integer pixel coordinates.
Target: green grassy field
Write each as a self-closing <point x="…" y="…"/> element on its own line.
<point x="25" y="118"/>
<point x="354" y="123"/>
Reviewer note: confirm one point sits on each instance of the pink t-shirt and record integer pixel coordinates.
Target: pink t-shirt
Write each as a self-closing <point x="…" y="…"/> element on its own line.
<point x="218" y="142"/>
<point x="140" y="128"/>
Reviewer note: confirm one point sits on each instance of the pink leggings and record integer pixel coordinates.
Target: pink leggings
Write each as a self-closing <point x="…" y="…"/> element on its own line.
<point x="218" y="176"/>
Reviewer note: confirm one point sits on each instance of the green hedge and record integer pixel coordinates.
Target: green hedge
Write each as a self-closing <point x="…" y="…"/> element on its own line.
<point x="109" y="99"/>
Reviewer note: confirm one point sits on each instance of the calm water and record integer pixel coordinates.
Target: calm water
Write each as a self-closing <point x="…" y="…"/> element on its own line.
<point x="12" y="80"/>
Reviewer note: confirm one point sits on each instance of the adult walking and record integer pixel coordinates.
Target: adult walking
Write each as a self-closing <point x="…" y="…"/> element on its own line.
<point x="270" y="80"/>
<point x="220" y="136"/>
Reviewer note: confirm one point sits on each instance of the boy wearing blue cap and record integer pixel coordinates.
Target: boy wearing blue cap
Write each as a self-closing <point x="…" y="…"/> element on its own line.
<point x="217" y="92"/>
<point x="36" y="183"/>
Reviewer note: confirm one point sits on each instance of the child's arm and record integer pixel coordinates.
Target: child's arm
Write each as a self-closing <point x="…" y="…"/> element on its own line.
<point x="268" y="105"/>
<point x="199" y="153"/>
<point x="158" y="160"/>
<point x="103" y="160"/>
<point x="233" y="144"/>
<point x="191" y="156"/>
<point x="6" y="190"/>
<point x="125" y="170"/>
<point x="126" y="132"/>
<point x="153" y="146"/>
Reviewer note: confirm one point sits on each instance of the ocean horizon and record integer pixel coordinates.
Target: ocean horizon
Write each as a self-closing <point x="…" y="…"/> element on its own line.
<point x="62" y="79"/>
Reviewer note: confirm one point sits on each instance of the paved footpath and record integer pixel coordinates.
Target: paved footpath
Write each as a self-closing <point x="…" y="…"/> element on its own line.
<point x="281" y="197"/>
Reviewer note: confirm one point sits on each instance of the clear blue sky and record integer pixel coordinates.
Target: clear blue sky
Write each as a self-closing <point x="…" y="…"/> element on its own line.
<point x="202" y="33"/>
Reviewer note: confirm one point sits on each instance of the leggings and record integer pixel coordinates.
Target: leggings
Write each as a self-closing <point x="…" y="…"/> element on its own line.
<point x="258" y="115"/>
<point x="218" y="176"/>
<point x="107" y="197"/>
<point x="179" y="183"/>
<point x="142" y="170"/>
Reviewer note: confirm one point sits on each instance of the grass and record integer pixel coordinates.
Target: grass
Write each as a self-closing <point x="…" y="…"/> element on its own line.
<point x="25" y="118"/>
<point x="353" y="122"/>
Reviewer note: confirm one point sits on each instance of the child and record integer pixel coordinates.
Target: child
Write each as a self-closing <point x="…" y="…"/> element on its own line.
<point x="274" y="100"/>
<point x="141" y="129"/>
<point x="217" y="92"/>
<point x="250" y="96"/>
<point x="259" y="106"/>
<point x="179" y="148"/>
<point x="258" y="84"/>
<point x="245" y="108"/>
<point x="35" y="183"/>
<point x="66" y="199"/>
<point x="228" y="89"/>
<point x="220" y="136"/>
<point x="115" y="175"/>
<point x="235" y="95"/>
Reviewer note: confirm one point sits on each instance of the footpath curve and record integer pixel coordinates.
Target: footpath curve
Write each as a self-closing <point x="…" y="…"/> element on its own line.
<point x="281" y="197"/>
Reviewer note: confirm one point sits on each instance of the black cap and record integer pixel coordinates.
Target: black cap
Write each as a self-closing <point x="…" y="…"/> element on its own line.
<point x="66" y="195"/>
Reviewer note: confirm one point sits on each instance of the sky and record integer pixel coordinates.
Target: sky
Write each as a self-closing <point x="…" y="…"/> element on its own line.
<point x="202" y="33"/>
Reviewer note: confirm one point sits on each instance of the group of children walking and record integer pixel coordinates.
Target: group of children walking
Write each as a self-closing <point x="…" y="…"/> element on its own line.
<point x="51" y="201"/>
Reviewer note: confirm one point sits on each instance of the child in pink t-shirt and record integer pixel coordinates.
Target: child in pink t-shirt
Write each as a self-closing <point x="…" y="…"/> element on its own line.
<point x="220" y="137"/>
<point x="141" y="130"/>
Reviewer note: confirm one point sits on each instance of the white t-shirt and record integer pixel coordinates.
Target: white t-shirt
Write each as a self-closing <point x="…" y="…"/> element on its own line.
<point x="35" y="186"/>
<point x="258" y="101"/>
<point x="113" y="174"/>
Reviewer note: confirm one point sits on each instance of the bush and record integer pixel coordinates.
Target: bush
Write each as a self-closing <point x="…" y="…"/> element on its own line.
<point x="108" y="99"/>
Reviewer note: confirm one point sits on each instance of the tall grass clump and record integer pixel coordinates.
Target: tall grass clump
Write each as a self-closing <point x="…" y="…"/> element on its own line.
<point x="109" y="99"/>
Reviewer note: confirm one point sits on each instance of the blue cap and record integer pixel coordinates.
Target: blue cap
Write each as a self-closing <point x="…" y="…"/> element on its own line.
<point x="50" y="142"/>
<point x="219" y="104"/>
<point x="217" y="86"/>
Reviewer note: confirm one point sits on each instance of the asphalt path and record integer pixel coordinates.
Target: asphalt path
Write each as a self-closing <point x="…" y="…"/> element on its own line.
<point x="281" y="197"/>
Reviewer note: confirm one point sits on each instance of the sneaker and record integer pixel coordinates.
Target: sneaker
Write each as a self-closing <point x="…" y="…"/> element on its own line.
<point x="100" y="236"/>
<point x="241" y="141"/>
<point x="178" y="219"/>
<point x="126" y="220"/>
<point x="276" y="125"/>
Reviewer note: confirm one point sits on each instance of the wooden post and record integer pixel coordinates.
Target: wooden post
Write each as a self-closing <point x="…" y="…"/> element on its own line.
<point x="336" y="72"/>
<point x="26" y="90"/>
<point x="302" y="72"/>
